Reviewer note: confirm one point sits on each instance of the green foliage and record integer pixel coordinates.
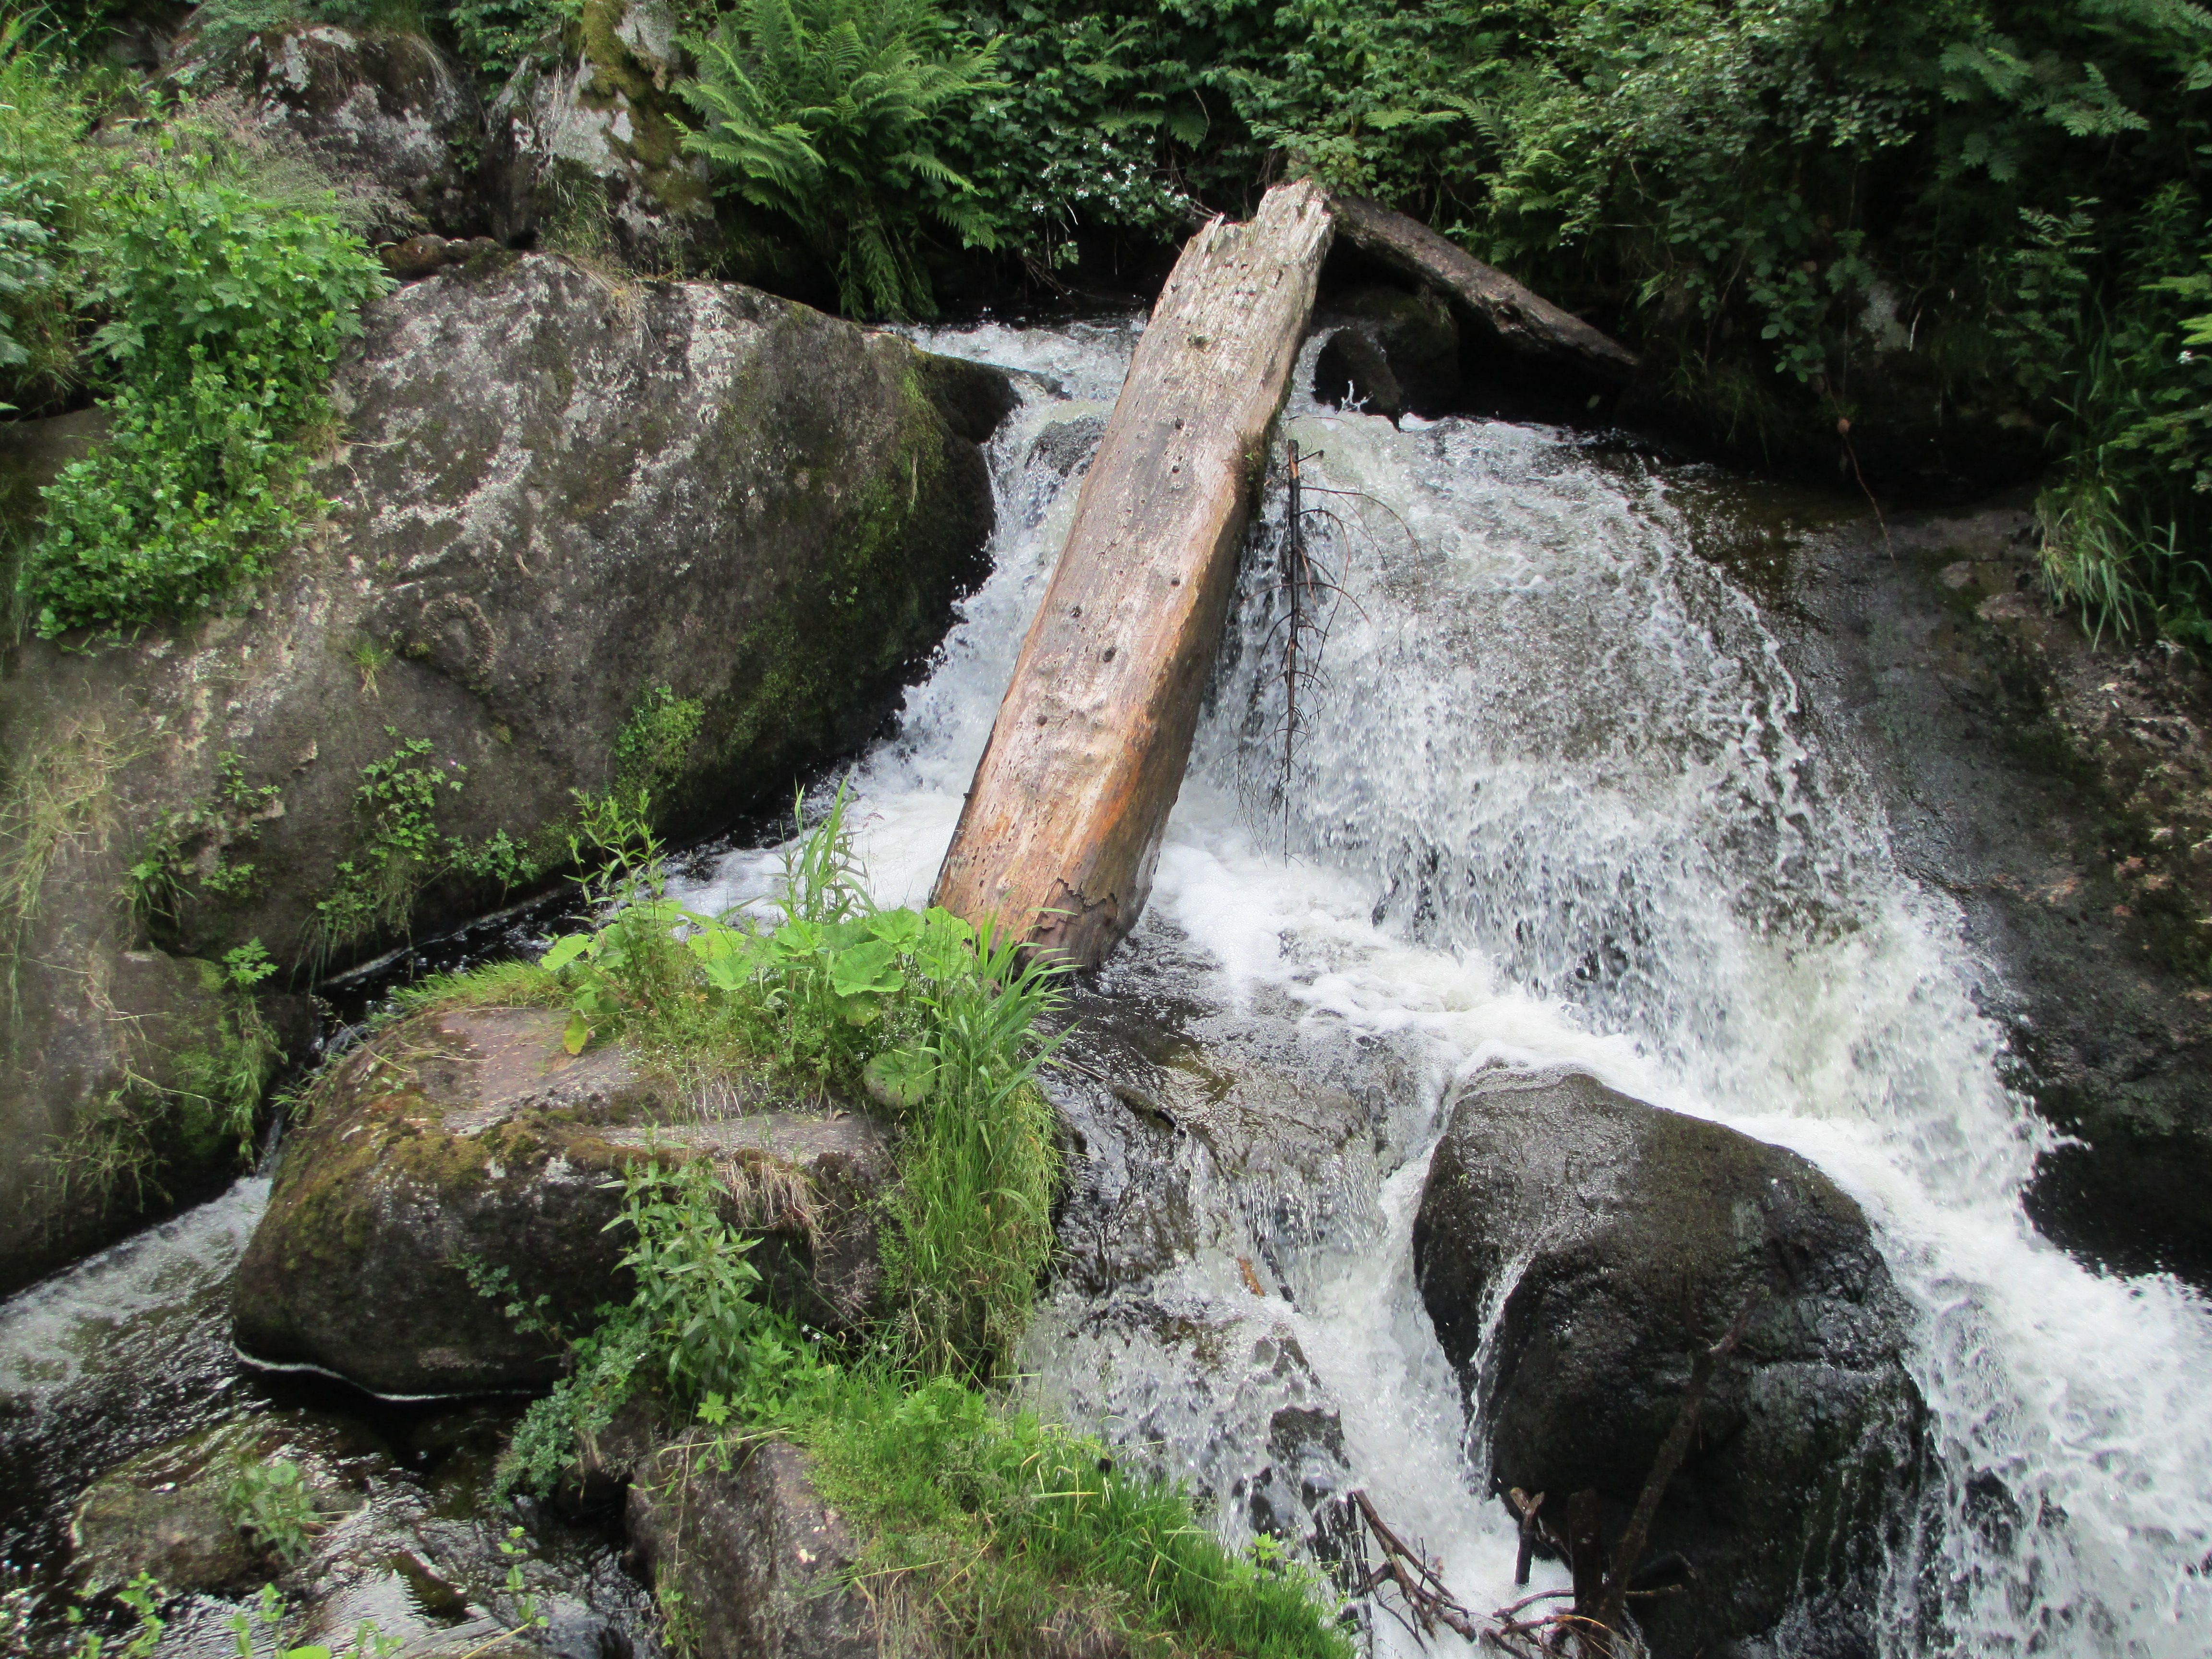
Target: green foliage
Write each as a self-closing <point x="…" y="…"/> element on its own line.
<point x="1006" y="1523"/>
<point x="225" y="315"/>
<point x="169" y="860"/>
<point x="830" y="113"/>
<point x="142" y="1598"/>
<point x="920" y="1012"/>
<point x="652" y="748"/>
<point x="269" y="1502"/>
<point x="255" y="1629"/>
<point x="45" y="168"/>
<point x="402" y="850"/>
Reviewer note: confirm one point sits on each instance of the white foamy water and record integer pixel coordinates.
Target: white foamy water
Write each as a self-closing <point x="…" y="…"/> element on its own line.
<point x="1557" y="798"/>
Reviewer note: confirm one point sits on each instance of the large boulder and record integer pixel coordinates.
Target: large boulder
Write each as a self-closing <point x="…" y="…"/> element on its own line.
<point x="1609" y="1241"/>
<point x="685" y="536"/>
<point x="473" y="1136"/>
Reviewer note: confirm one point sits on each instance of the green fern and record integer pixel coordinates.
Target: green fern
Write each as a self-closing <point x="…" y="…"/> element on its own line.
<point x="826" y="112"/>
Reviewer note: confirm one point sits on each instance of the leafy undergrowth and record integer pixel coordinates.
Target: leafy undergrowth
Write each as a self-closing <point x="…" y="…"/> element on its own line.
<point x="985" y="1524"/>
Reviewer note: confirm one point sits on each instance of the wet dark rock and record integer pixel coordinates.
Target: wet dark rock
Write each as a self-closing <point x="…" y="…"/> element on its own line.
<point x="32" y="452"/>
<point x="557" y="498"/>
<point x="474" y="1135"/>
<point x="2058" y="789"/>
<point x="756" y="1554"/>
<point x="1643" y="1233"/>
<point x="1065" y="445"/>
<point x="167" y="1511"/>
<point x="1397" y="352"/>
<point x="427" y="254"/>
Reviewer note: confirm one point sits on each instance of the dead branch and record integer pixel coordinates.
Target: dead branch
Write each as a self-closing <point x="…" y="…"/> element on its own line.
<point x="1418" y="1581"/>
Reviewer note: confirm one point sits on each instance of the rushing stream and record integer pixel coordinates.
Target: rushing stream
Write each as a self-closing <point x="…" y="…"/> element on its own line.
<point x="1554" y="796"/>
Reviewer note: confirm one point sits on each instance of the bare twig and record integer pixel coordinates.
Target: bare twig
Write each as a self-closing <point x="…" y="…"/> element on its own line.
<point x="1418" y="1581"/>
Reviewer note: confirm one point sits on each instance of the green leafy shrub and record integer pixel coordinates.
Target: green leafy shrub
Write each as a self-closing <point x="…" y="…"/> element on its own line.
<point x="830" y="113"/>
<point x="1003" y="1523"/>
<point x="227" y="315"/>
<point x="269" y="1502"/>
<point x="402" y="850"/>
<point x="46" y="172"/>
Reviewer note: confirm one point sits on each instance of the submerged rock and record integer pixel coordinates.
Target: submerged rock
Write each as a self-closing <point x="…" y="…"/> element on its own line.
<point x="474" y="1136"/>
<point x="171" y="1511"/>
<point x="564" y="507"/>
<point x="1607" y="1241"/>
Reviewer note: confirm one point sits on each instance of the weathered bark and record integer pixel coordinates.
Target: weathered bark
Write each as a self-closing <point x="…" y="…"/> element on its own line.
<point x="1524" y="321"/>
<point x="1063" y="822"/>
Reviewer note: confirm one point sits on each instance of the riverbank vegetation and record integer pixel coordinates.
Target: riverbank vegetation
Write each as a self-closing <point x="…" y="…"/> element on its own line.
<point x="1819" y="223"/>
<point x="990" y="1522"/>
<point x="200" y="290"/>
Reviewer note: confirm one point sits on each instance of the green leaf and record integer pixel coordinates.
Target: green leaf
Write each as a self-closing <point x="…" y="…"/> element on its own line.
<point x="864" y="969"/>
<point x="565" y="950"/>
<point x="578" y="1034"/>
<point x="901" y="1077"/>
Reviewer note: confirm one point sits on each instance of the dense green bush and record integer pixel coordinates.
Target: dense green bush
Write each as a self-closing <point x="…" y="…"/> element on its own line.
<point x="226" y="317"/>
<point x="46" y="166"/>
<point x="1803" y="212"/>
<point x="985" y="1522"/>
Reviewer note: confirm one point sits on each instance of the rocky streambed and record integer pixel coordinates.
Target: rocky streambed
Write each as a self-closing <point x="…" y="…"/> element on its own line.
<point x="1567" y="1011"/>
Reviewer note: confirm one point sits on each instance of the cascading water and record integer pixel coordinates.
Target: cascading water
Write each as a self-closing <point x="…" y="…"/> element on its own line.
<point x="1555" y="797"/>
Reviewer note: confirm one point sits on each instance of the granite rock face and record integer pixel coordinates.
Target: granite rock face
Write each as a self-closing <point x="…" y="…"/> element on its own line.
<point x="560" y="505"/>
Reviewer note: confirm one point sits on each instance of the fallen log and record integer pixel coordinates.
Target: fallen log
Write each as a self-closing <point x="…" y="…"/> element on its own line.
<point x="1524" y="321"/>
<point x="1062" y="825"/>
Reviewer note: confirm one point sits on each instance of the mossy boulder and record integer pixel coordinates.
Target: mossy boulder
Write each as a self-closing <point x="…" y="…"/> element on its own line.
<point x="473" y="1136"/>
<point x="566" y="511"/>
<point x="588" y="150"/>
<point x="761" y="1563"/>
<point x="1609" y="1241"/>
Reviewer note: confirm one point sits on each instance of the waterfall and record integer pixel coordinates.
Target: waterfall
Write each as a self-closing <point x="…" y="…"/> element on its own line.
<point x="1556" y="797"/>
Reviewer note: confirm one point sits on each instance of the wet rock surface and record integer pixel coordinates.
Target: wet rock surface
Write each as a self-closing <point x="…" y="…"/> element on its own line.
<point x="2059" y="788"/>
<point x="1608" y="1240"/>
<point x="1397" y="353"/>
<point x="475" y="1136"/>
<point x="557" y="498"/>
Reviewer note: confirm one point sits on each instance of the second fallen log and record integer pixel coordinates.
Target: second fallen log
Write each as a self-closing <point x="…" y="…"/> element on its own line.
<point x="1063" y="823"/>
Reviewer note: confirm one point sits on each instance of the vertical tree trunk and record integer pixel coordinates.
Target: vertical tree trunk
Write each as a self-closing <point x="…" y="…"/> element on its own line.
<point x="1063" y="822"/>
